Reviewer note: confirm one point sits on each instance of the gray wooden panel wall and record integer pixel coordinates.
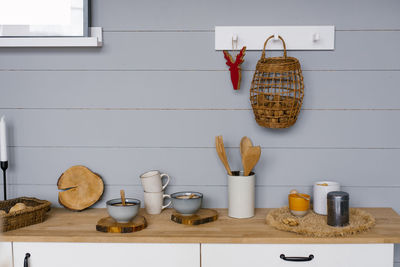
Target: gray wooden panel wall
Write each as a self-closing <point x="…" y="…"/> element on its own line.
<point x="155" y="95"/>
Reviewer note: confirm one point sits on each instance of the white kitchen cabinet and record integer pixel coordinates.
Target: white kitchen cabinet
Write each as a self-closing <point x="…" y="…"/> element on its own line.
<point x="6" y="254"/>
<point x="46" y="254"/>
<point x="107" y="254"/>
<point x="323" y="255"/>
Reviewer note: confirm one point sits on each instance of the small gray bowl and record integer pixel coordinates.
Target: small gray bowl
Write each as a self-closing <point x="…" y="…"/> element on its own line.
<point x="187" y="206"/>
<point x="123" y="214"/>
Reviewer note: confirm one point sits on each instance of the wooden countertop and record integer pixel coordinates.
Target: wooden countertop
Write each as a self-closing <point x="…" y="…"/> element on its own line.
<point x="67" y="226"/>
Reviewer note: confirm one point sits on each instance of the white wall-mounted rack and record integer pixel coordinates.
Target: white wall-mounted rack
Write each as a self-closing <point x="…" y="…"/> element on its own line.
<point x="94" y="40"/>
<point x="296" y="37"/>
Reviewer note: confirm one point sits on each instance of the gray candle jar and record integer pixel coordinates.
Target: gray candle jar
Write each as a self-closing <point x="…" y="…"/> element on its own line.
<point x="338" y="208"/>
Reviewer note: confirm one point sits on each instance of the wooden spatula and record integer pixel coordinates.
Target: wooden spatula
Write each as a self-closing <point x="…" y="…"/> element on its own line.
<point x="250" y="159"/>
<point x="245" y="143"/>
<point x="122" y="193"/>
<point x="223" y="154"/>
<point x="219" y="145"/>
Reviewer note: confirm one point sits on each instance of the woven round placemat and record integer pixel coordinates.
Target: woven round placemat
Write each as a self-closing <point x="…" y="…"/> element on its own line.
<point x="315" y="225"/>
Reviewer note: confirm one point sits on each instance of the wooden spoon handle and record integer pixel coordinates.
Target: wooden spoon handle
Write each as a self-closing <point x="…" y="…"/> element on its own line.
<point x="219" y="145"/>
<point x="294" y="191"/>
<point x="306" y="198"/>
<point x="226" y="163"/>
<point x="122" y="193"/>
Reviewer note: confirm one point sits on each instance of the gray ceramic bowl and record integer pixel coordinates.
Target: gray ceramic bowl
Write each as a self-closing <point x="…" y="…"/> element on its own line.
<point x="123" y="214"/>
<point x="184" y="205"/>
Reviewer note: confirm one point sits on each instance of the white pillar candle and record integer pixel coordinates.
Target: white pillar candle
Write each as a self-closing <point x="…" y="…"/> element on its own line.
<point x="3" y="140"/>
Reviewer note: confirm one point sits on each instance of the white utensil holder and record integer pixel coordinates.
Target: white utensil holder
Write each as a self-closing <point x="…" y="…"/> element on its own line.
<point x="241" y="191"/>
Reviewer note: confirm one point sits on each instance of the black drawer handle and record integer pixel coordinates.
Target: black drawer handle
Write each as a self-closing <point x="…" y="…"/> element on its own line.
<point x="309" y="258"/>
<point x="26" y="260"/>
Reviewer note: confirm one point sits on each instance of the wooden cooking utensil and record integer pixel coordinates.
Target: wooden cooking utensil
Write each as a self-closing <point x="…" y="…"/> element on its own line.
<point x="250" y="159"/>
<point x="122" y="193"/>
<point x="306" y="198"/>
<point x="294" y="191"/>
<point x="219" y="145"/>
<point x="245" y="143"/>
<point x="222" y="147"/>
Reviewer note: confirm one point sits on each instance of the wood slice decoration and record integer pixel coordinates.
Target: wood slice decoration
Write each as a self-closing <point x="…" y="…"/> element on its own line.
<point x="201" y="217"/>
<point x="109" y="225"/>
<point x="81" y="188"/>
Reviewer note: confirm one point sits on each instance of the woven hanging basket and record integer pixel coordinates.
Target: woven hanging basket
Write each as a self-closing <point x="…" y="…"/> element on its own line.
<point x="277" y="90"/>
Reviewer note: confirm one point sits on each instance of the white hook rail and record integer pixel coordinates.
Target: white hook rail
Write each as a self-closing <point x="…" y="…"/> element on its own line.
<point x="234" y="37"/>
<point x="296" y="37"/>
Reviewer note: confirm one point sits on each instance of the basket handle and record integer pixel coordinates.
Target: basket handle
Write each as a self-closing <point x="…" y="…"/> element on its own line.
<point x="265" y="44"/>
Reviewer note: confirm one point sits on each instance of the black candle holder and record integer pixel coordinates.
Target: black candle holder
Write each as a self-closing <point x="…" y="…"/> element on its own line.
<point x="4" y="166"/>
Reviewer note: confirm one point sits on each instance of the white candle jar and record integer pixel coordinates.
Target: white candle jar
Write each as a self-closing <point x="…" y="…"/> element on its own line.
<point x="241" y="195"/>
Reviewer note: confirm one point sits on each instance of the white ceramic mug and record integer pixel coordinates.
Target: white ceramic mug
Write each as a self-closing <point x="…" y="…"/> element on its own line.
<point x="241" y="190"/>
<point x="154" y="202"/>
<point x="321" y="190"/>
<point x="152" y="181"/>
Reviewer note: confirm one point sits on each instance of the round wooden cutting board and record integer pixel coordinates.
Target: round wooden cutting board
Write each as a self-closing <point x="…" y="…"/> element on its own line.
<point x="109" y="225"/>
<point x="81" y="188"/>
<point x="201" y="217"/>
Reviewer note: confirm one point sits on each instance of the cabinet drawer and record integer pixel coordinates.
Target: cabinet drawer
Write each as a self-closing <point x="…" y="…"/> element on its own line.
<point x="5" y="254"/>
<point x="107" y="254"/>
<point x="265" y="255"/>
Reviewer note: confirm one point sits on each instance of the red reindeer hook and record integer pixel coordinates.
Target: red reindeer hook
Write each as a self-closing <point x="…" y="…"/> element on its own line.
<point x="234" y="66"/>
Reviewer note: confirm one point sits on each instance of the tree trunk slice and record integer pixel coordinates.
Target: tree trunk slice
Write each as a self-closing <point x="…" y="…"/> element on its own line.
<point x="201" y="217"/>
<point x="82" y="188"/>
<point x="109" y="225"/>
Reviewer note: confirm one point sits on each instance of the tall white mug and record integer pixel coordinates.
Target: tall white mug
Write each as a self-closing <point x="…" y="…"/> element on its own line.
<point x="152" y="181"/>
<point x="321" y="190"/>
<point x="241" y="199"/>
<point x="154" y="202"/>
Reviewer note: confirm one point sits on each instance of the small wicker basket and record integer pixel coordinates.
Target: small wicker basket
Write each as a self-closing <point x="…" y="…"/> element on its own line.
<point x="35" y="213"/>
<point x="277" y="90"/>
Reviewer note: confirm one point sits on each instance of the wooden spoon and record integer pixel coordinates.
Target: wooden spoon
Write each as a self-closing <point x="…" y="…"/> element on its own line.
<point x="122" y="193"/>
<point x="245" y="143"/>
<point x="306" y="198"/>
<point x="295" y="192"/>
<point x="251" y="157"/>
<point x="219" y="145"/>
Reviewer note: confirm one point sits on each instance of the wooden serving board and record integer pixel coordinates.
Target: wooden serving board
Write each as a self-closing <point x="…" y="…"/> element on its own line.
<point x="201" y="217"/>
<point x="109" y="225"/>
<point x="81" y="188"/>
